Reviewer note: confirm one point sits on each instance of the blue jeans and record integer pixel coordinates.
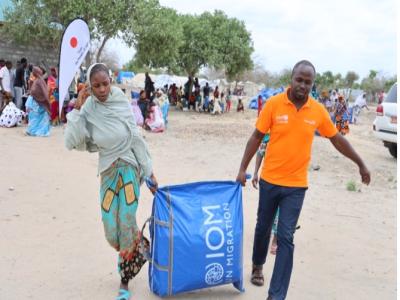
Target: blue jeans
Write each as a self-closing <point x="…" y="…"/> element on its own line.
<point x="289" y="200"/>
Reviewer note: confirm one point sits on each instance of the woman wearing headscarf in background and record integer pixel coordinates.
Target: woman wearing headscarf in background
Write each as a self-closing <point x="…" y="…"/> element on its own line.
<point x="154" y="121"/>
<point x="52" y="86"/>
<point x="38" y="106"/>
<point x="143" y="103"/>
<point x="341" y="116"/>
<point x="149" y="86"/>
<point x="137" y="113"/>
<point x="102" y="121"/>
<point x="359" y="104"/>
<point x="163" y="103"/>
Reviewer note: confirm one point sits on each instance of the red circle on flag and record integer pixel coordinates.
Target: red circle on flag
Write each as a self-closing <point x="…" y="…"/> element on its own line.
<point x="73" y="42"/>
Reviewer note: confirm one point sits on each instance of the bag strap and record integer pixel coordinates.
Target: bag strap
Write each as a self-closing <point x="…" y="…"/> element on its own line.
<point x="146" y="253"/>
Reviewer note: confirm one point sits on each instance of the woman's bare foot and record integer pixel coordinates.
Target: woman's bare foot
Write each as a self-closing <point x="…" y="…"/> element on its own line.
<point x="123" y="286"/>
<point x="123" y="293"/>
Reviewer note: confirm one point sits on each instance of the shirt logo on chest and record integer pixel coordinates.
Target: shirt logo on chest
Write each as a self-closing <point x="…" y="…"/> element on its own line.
<point x="282" y="119"/>
<point x="311" y="122"/>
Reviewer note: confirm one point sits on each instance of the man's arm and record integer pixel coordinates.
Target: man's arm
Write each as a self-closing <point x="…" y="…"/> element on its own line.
<point x="344" y="147"/>
<point x="251" y="147"/>
<point x="254" y="180"/>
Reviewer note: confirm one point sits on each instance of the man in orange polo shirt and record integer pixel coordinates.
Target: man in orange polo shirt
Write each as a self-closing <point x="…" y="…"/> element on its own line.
<point x="292" y="118"/>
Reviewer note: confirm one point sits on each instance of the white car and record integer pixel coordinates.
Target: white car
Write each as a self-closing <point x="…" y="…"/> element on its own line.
<point x="385" y="124"/>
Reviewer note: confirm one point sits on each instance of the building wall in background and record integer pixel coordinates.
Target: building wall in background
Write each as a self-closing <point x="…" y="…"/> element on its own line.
<point x="33" y="53"/>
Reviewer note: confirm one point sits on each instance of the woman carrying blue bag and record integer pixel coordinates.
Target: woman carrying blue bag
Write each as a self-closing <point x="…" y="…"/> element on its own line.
<point x="102" y="121"/>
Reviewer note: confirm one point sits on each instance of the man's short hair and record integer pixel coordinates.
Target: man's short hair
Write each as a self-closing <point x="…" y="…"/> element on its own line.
<point x="23" y="60"/>
<point x="303" y="63"/>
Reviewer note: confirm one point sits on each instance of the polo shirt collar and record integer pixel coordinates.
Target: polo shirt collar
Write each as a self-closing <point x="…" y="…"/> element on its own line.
<point x="287" y="101"/>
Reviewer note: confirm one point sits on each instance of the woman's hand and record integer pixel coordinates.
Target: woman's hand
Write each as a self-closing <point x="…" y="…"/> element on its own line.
<point x="154" y="187"/>
<point x="82" y="96"/>
<point x="241" y="177"/>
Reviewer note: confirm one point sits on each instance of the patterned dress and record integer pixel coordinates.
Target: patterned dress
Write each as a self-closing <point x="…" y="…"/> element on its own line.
<point x="39" y="119"/>
<point x="342" y="118"/>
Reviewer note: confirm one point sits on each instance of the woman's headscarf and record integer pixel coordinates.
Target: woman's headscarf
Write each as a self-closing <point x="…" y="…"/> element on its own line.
<point x="37" y="71"/>
<point x="39" y="89"/>
<point x="89" y="71"/>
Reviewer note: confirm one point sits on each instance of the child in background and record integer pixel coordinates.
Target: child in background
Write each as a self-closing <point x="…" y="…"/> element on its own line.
<point x="228" y="101"/>
<point x="221" y="102"/>
<point x="240" y="106"/>
<point x="259" y="158"/>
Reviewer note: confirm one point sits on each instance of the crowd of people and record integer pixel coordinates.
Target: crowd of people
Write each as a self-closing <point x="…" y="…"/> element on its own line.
<point x="37" y="104"/>
<point x="150" y="106"/>
<point x="100" y="119"/>
<point x="339" y="110"/>
<point x="193" y="96"/>
<point x="29" y="94"/>
<point x="26" y="95"/>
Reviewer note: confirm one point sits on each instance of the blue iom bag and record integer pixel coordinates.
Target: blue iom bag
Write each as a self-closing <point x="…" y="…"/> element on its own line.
<point x="196" y="232"/>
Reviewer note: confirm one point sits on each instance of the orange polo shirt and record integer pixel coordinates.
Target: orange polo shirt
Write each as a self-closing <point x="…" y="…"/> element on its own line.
<point x="291" y="136"/>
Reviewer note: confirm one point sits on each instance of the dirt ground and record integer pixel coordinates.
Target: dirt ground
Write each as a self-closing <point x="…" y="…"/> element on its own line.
<point x="52" y="241"/>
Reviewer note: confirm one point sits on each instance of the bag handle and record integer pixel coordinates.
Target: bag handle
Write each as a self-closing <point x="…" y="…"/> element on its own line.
<point x="146" y="253"/>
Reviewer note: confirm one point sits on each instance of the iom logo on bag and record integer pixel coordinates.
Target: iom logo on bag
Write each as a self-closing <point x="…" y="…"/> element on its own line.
<point x="214" y="274"/>
<point x="219" y="240"/>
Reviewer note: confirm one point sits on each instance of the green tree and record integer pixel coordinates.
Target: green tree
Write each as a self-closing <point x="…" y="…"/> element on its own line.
<point x="231" y="43"/>
<point x="328" y="79"/>
<point x="194" y="51"/>
<point x="372" y="74"/>
<point x="43" y="21"/>
<point x="163" y="38"/>
<point x="156" y="34"/>
<point x="375" y="82"/>
<point x="372" y="84"/>
<point x="389" y="82"/>
<point x="350" y="78"/>
<point x="338" y="80"/>
<point x="285" y="77"/>
<point x="319" y="81"/>
<point x="187" y="43"/>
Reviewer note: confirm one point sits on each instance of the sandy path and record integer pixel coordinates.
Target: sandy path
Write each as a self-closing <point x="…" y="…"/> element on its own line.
<point x="52" y="242"/>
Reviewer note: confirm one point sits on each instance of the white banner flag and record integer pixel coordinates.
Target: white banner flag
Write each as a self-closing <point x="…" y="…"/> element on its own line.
<point x="74" y="47"/>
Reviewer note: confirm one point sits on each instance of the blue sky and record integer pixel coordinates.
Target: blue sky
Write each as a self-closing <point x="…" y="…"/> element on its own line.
<point x="340" y="35"/>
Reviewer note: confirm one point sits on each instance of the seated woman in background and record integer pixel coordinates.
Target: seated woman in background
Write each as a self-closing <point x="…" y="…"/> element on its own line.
<point x="154" y="121"/>
<point x="137" y="113"/>
<point x="143" y="103"/>
<point x="11" y="116"/>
